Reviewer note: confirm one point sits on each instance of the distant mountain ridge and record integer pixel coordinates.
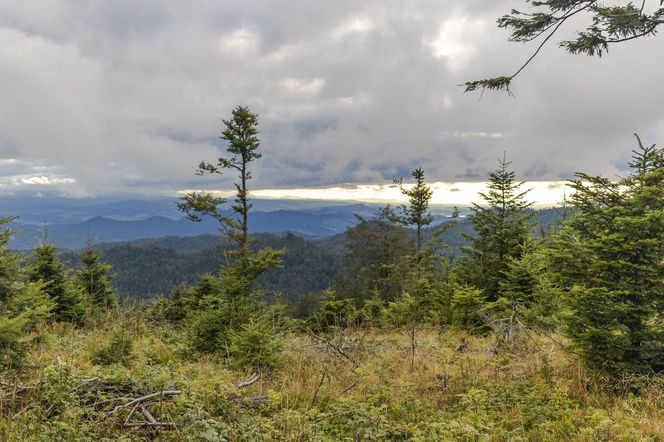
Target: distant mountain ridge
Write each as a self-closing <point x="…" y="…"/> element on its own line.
<point x="107" y="230"/>
<point x="68" y="222"/>
<point x="308" y="223"/>
<point x="148" y="267"/>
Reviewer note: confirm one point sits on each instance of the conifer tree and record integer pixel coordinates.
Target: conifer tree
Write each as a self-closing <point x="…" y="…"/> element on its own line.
<point x="376" y="260"/>
<point x="47" y="268"/>
<point x="502" y="227"/>
<point x="416" y="213"/>
<point x="95" y="277"/>
<point x="220" y="306"/>
<point x="22" y="304"/>
<point x="607" y="25"/>
<point x="241" y="134"/>
<point x="610" y="260"/>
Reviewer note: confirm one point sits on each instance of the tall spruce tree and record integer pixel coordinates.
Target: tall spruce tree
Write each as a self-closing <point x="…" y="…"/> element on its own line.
<point x="220" y="306"/>
<point x="416" y="213"/>
<point x="610" y="261"/>
<point x="502" y="226"/>
<point x="241" y="135"/>
<point x="95" y="277"/>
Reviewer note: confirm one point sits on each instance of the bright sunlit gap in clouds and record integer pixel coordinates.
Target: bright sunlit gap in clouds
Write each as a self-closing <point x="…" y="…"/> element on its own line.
<point x="542" y="193"/>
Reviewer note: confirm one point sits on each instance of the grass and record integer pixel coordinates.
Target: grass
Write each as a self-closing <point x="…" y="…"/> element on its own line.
<point x="358" y="387"/>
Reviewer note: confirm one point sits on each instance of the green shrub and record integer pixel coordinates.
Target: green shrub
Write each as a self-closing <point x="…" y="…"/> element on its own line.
<point x="467" y="304"/>
<point x="335" y="312"/>
<point x="119" y="350"/>
<point x="22" y="304"/>
<point x="254" y="346"/>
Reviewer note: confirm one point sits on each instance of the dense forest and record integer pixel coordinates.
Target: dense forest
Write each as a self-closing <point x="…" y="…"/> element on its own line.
<point x="510" y="324"/>
<point x="149" y="268"/>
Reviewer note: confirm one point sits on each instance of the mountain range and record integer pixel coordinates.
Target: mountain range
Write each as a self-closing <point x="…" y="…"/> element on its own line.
<point x="68" y="223"/>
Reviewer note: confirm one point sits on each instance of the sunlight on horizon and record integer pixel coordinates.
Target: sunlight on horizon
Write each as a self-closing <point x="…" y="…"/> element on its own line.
<point x="542" y="193"/>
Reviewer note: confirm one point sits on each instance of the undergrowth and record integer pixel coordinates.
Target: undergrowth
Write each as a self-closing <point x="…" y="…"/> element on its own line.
<point x="342" y="386"/>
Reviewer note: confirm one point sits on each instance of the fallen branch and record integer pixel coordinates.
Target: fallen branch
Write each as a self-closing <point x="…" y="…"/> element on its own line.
<point x="139" y="400"/>
<point x="252" y="380"/>
<point x="350" y="387"/>
<point x="320" y="384"/>
<point x="151" y="424"/>
<point x="338" y="352"/>
<point x="16" y="388"/>
<point x="148" y="415"/>
<point x="106" y="401"/>
<point x="131" y="413"/>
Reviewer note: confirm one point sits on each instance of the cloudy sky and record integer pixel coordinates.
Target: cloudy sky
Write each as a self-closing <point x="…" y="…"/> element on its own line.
<point x="101" y="97"/>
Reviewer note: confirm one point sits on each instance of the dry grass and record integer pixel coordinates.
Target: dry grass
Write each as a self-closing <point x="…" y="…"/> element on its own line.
<point x="535" y="391"/>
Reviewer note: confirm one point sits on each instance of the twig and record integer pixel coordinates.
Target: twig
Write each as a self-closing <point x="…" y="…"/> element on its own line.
<point x="115" y="399"/>
<point x="148" y="415"/>
<point x="335" y="349"/>
<point x="89" y="380"/>
<point x="16" y="388"/>
<point x="320" y="383"/>
<point x="145" y="398"/>
<point x="252" y="380"/>
<point x="151" y="424"/>
<point x="130" y="414"/>
<point x="350" y="387"/>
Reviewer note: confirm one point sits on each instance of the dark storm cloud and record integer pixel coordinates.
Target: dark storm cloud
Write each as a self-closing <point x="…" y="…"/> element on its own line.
<point x="129" y="96"/>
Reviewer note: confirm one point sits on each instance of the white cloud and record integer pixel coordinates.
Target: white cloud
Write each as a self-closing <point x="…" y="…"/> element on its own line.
<point x="355" y="25"/>
<point x="360" y="99"/>
<point x="240" y="43"/>
<point x="454" y="41"/>
<point x="128" y="96"/>
<point x="303" y="87"/>
<point x="44" y="180"/>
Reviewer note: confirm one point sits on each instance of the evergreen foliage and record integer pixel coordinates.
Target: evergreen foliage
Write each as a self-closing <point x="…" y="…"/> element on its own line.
<point x="46" y="268"/>
<point x="22" y="304"/>
<point x="118" y="350"/>
<point x="502" y="228"/>
<point x="607" y="25"/>
<point x="220" y="307"/>
<point x="253" y="346"/>
<point x="416" y="213"/>
<point x="376" y="258"/>
<point x="610" y="259"/>
<point x="335" y="312"/>
<point x="95" y="278"/>
<point x="240" y="133"/>
<point x="468" y="304"/>
<point x="528" y="291"/>
<point x="600" y="273"/>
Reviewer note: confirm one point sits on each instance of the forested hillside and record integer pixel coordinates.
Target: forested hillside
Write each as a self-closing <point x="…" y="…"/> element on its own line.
<point x="151" y="267"/>
<point x="148" y="268"/>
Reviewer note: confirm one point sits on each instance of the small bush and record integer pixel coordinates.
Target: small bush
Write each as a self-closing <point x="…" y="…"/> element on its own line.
<point x="119" y="350"/>
<point x="254" y="346"/>
<point x="467" y="305"/>
<point x="336" y="312"/>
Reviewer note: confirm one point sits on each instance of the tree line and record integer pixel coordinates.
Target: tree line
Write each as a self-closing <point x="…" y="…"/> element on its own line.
<point x="596" y="275"/>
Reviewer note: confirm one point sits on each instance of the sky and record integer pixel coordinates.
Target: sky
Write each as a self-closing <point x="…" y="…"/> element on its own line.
<point x="542" y="194"/>
<point x="127" y="97"/>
